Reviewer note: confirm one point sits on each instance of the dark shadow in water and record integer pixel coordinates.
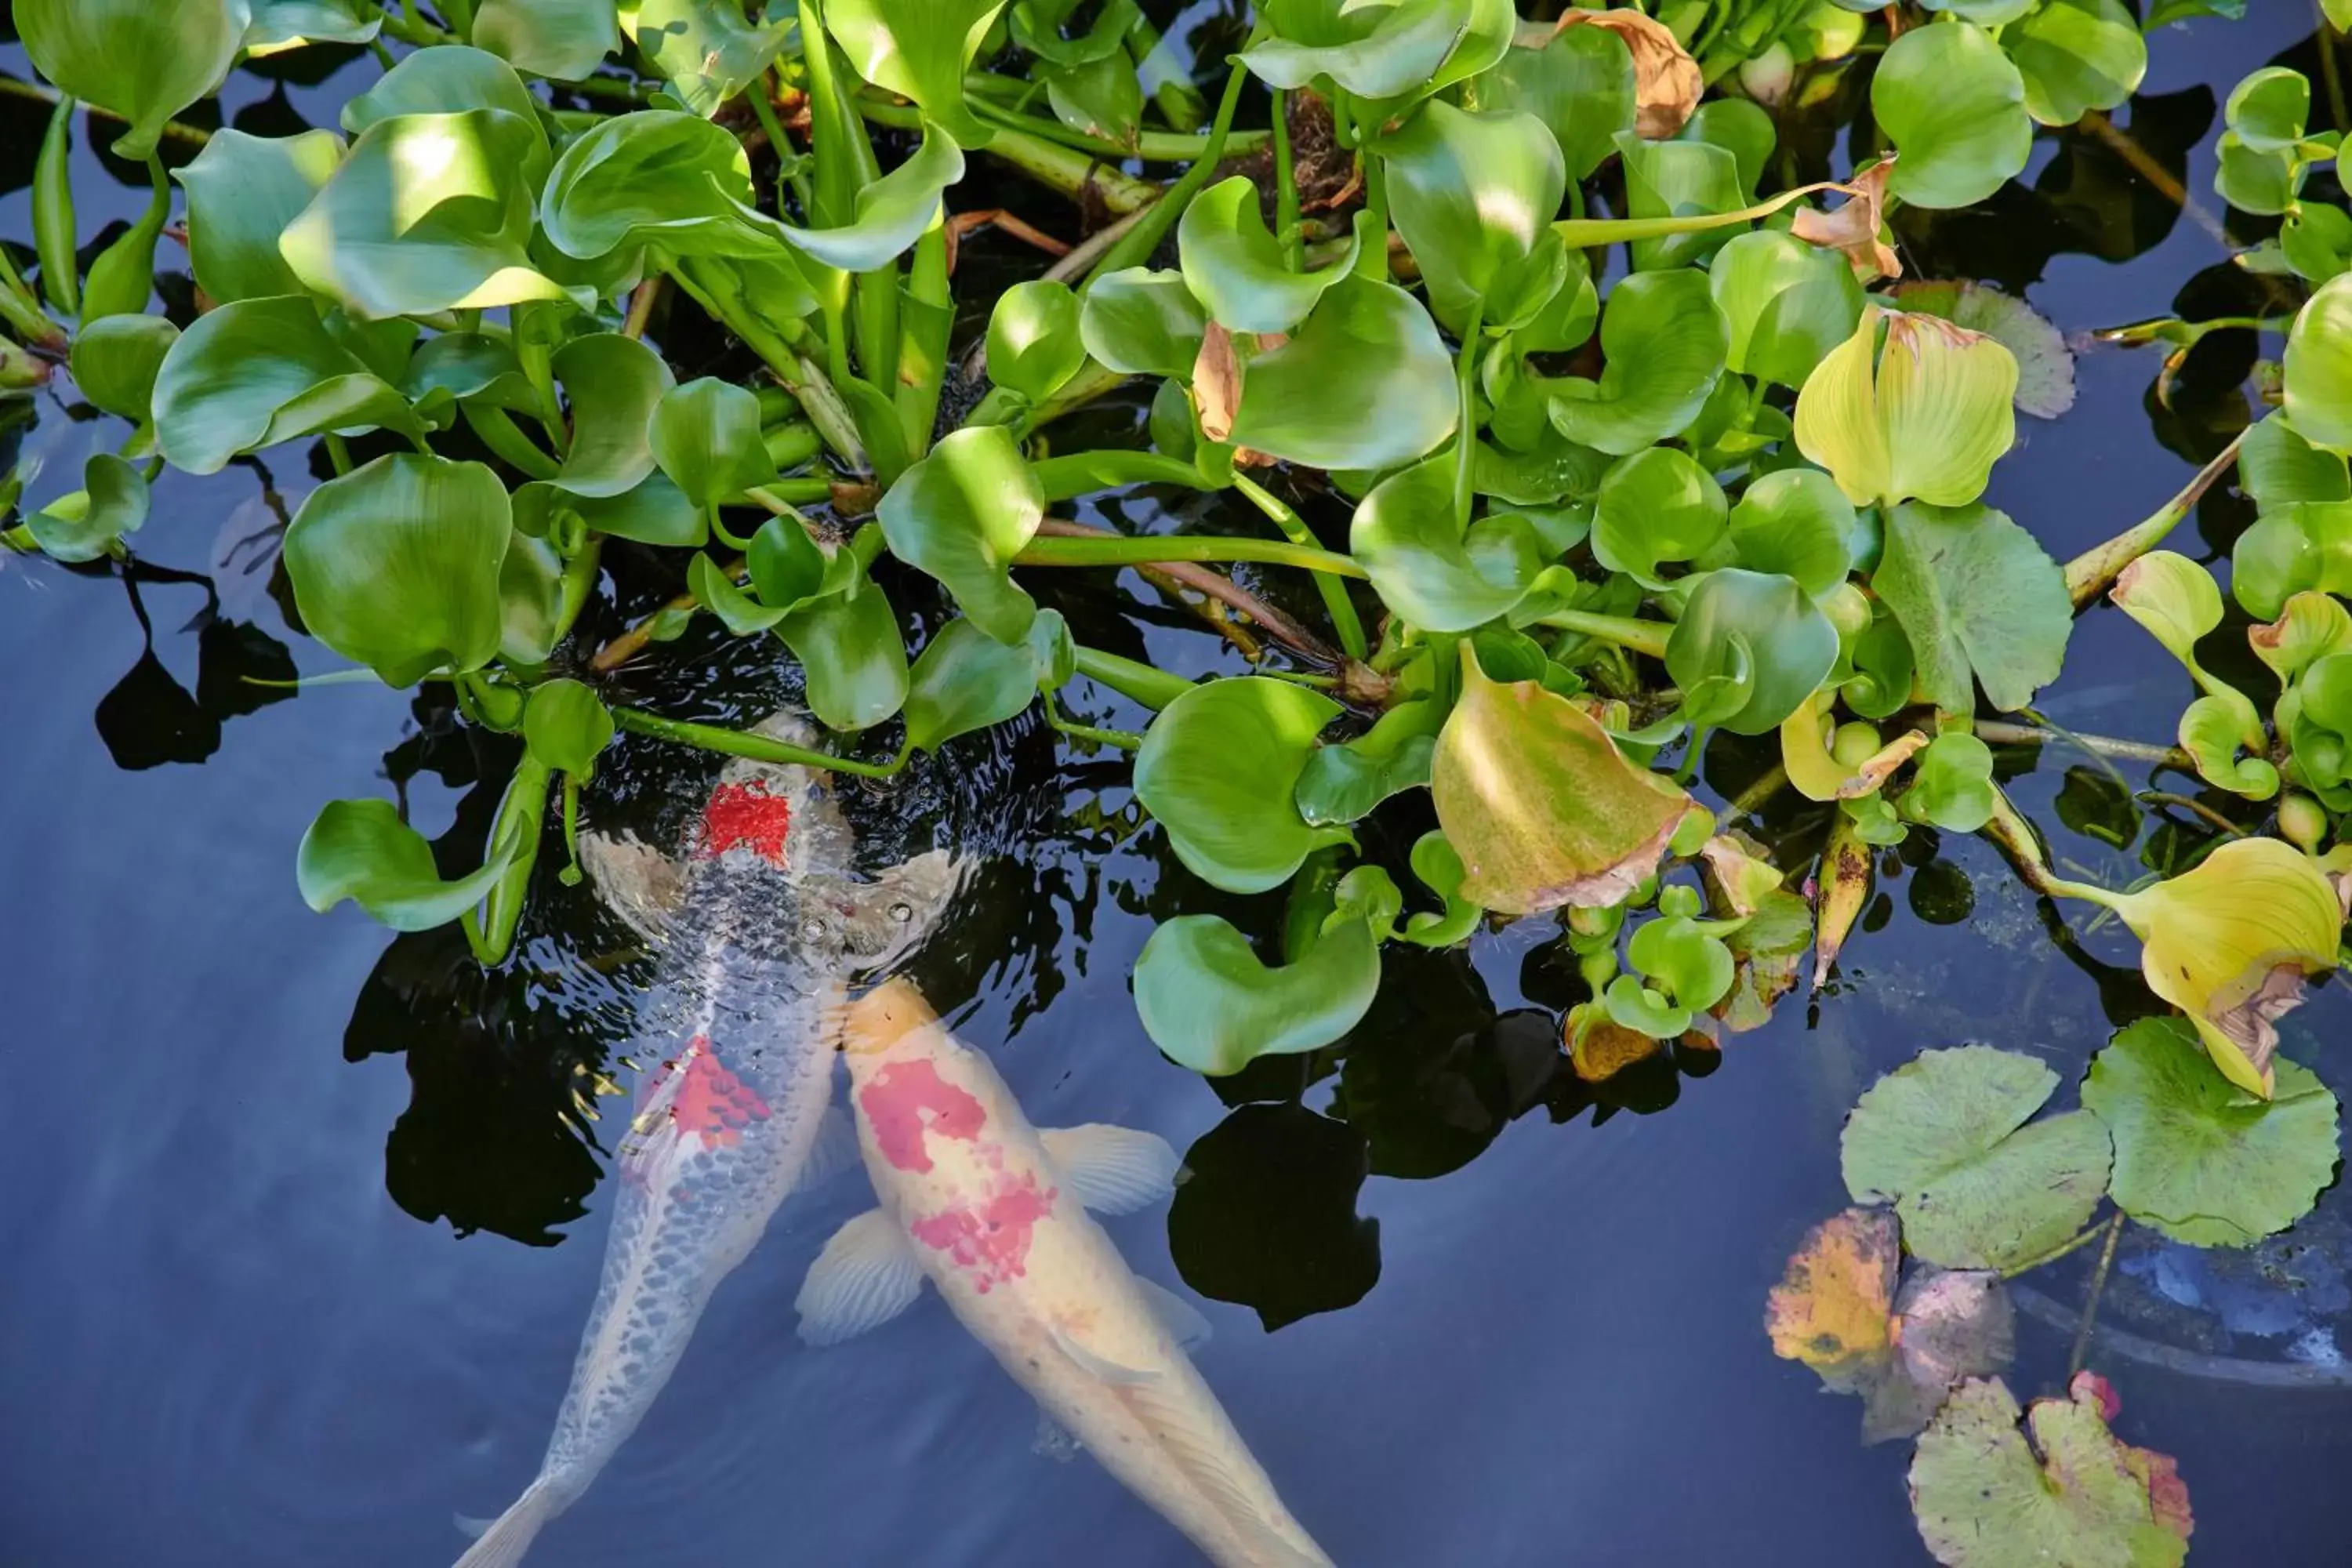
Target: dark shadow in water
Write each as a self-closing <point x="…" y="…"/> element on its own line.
<point x="149" y="718"/>
<point x="1265" y="1214"/>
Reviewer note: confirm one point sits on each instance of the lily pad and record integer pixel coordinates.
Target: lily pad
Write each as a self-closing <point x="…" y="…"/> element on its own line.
<point x="1946" y="1138"/>
<point x="1986" y="1498"/>
<point x="2198" y="1158"/>
<point x="1220" y="768"/>
<point x="1980" y="600"/>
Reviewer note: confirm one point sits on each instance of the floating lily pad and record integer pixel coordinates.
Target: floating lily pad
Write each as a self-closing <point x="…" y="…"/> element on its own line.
<point x="1986" y="1498"/>
<point x="2198" y="1158"/>
<point x="1946" y="1138"/>
<point x="1978" y="598"/>
<point x="2045" y="365"/>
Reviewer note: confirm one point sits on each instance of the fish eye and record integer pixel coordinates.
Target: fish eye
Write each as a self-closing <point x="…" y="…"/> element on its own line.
<point x="902" y="911"/>
<point x="811" y="928"/>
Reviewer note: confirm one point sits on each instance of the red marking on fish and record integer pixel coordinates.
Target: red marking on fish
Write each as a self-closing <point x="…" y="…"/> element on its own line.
<point x="990" y="1241"/>
<point x="907" y="1098"/>
<point x="747" y="814"/>
<point x="712" y="1101"/>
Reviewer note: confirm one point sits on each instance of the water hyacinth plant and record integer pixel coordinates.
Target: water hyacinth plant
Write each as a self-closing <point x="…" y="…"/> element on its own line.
<point x="1555" y="435"/>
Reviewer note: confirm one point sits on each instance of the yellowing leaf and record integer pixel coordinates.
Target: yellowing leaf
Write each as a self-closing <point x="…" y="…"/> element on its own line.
<point x="1818" y="776"/>
<point x="1923" y="415"/>
<point x="1831" y="1309"/>
<point x="2229" y="942"/>
<point x="1540" y="805"/>
<point x="1666" y="80"/>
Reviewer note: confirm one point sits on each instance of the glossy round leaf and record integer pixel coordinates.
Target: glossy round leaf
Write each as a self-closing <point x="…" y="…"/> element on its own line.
<point x="260" y="372"/>
<point x="1765" y="633"/>
<point x="655" y="511"/>
<point x="116" y="360"/>
<point x="446" y="79"/>
<point x="1953" y="788"/>
<point x="1365" y="384"/>
<point x="966" y="681"/>
<point x="1540" y="805"/>
<point x="2045" y="365"/>
<point x="614" y="386"/>
<point x="2319" y="367"/>
<point x="90" y="522"/>
<point x="1664" y="342"/>
<point x="1404" y="533"/>
<point x="1678" y="179"/>
<point x="243" y="191"/>
<point x="654" y="177"/>
<point x="2269" y="108"/>
<point x="1579" y="83"/>
<point x="1948" y="1139"/>
<point x="2076" y="55"/>
<point x="1219" y="770"/>
<point x="854" y="656"/>
<point x="1798" y="521"/>
<point x="1471" y="194"/>
<point x="141" y="60"/>
<point x="1654" y="507"/>
<point x="429" y="212"/>
<point x="918" y="49"/>
<point x="558" y="38"/>
<point x="890" y="214"/>
<point x="1141" y="321"/>
<point x="961" y="514"/>
<point x="1926" y="415"/>
<point x="395" y="565"/>
<point x="1788" y="304"/>
<point x="360" y="849"/>
<point x="1980" y="600"/>
<point x="1034" y="345"/>
<point x="1954" y="106"/>
<point x="1235" y="268"/>
<point x="707" y="48"/>
<point x="1375" y="52"/>
<point x="2195" y="1156"/>
<point x="1210" y="1004"/>
<point x="706" y="437"/>
<point x="566" y="726"/>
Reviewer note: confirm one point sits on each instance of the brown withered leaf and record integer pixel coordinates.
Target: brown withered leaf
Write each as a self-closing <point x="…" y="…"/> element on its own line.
<point x="1217" y="372"/>
<point x="1600" y="1047"/>
<point x="1770" y="949"/>
<point x="1666" y="80"/>
<point x="1854" y="227"/>
<point x="1845" y="886"/>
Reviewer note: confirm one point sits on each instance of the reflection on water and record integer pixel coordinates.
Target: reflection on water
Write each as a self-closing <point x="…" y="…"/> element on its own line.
<point x="1480" y="1311"/>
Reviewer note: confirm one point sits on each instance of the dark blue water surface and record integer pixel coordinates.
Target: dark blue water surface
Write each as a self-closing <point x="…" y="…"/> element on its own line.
<point x="296" y="1244"/>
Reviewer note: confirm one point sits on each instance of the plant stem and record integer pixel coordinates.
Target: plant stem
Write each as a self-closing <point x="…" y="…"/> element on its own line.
<point x="1646" y="637"/>
<point x="2014" y="836"/>
<point x="1285" y="189"/>
<point x="32" y="92"/>
<point x="1151" y="146"/>
<point x="1155" y="688"/>
<point x="1466" y="436"/>
<point x="1081" y="473"/>
<point x="1220" y="588"/>
<point x="2072" y="1244"/>
<point x="1996" y="732"/>
<point x="2090" y="572"/>
<point x="1123" y="551"/>
<point x="1050" y="163"/>
<point x="505" y="440"/>
<point x="927" y="318"/>
<point x="2082" y="1347"/>
<point x="759" y="748"/>
<point x="1581" y="233"/>
<point x="1336" y="602"/>
<point x="1144" y="238"/>
<point x="1126" y="741"/>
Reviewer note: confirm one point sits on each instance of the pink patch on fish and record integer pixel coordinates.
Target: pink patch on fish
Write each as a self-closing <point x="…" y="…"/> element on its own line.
<point x="747" y="814"/>
<point x="907" y="1098"/>
<point x="715" y="1103"/>
<point x="990" y="1240"/>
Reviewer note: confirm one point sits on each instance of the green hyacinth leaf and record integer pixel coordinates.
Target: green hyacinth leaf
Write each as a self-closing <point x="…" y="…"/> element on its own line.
<point x="116" y="360"/>
<point x="567" y="726"/>
<point x="967" y="681"/>
<point x="920" y="50"/>
<point x="1789" y="304"/>
<point x="1762" y="638"/>
<point x="1235" y="268"/>
<point x="1034" y="342"/>
<point x="2076" y="55"/>
<point x="653" y="178"/>
<point x="259" y="371"/>
<point x="1948" y="1139"/>
<point x="1579" y="83"/>
<point x="1210" y="1004"/>
<point x="1374" y="52"/>
<point x="562" y="39"/>
<point x="614" y="384"/>
<point x="1404" y="534"/>
<point x="1954" y="106"/>
<point x="706" y="48"/>
<point x="243" y="191"/>
<point x="961" y="514"/>
<point x="1657" y="506"/>
<point x="891" y="213"/>
<point x="1472" y="194"/>
<point x="448" y="79"/>
<point x="1798" y="521"/>
<point x="1678" y="179"/>
<point x="2198" y="1158"/>
<point x="141" y="60"/>
<point x="360" y="850"/>
<point x="90" y="522"/>
<point x="1366" y="382"/>
<point x="849" y="644"/>
<point x="1664" y="342"/>
<point x="288" y="24"/>
<point x="1953" y="788"/>
<point x="1219" y="769"/>
<point x="1141" y="321"/>
<point x="395" y="565"/>
<point x="2319" y="367"/>
<point x="705" y="434"/>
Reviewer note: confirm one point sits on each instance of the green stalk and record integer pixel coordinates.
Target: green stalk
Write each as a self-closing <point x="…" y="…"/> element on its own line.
<point x="1050" y="163"/>
<point x="1373" y="259"/>
<point x="124" y="273"/>
<point x="792" y="443"/>
<point x="1151" y="146"/>
<point x="710" y="285"/>
<point x="521" y="817"/>
<point x="53" y="212"/>
<point x="1056" y="550"/>
<point x="1155" y="688"/>
<point x="781" y="496"/>
<point x="845" y="166"/>
<point x="1285" y="189"/>
<point x="579" y="584"/>
<point x="1466" y="436"/>
<point x="2093" y="570"/>
<point x="1137" y="246"/>
<point x="1581" y="233"/>
<point x="1124" y="740"/>
<point x="1646" y="637"/>
<point x="759" y="748"/>
<point x="507" y="441"/>
<point x="1081" y="473"/>
<point x="927" y="318"/>
<point x="1336" y="602"/>
<point x="22" y="310"/>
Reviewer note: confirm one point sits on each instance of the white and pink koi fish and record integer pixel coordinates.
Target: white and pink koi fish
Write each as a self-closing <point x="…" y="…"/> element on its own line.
<point x="763" y="925"/>
<point x="994" y="1212"/>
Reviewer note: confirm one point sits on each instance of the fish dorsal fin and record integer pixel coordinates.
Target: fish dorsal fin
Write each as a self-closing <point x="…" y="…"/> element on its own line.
<point x="1111" y="1170"/>
<point x="1227" y="1476"/>
<point x="637" y="882"/>
<point x="865" y="1276"/>
<point x="1182" y="1320"/>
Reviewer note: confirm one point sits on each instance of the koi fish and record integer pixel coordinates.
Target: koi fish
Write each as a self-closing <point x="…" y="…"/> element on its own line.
<point x="994" y="1212"/>
<point x="763" y="925"/>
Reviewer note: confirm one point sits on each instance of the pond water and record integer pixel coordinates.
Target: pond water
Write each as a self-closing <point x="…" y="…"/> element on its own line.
<point x="298" y="1240"/>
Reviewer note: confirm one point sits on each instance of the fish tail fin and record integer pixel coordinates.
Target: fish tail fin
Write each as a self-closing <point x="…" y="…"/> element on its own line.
<point x="506" y="1538"/>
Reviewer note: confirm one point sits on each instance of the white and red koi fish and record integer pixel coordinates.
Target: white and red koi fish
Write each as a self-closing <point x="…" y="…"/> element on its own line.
<point x="994" y="1212"/>
<point x="762" y="924"/>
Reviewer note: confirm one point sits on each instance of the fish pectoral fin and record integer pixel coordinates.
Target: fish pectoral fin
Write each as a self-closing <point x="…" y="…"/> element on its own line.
<point x="833" y="1150"/>
<point x="1182" y="1320"/>
<point x="1102" y="1368"/>
<point x="637" y="882"/>
<point x="867" y="1274"/>
<point x="1111" y="1170"/>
